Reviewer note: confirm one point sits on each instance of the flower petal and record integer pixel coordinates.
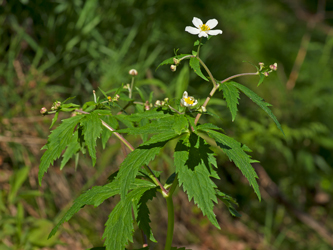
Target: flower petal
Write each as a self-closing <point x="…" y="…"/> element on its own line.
<point x="192" y="30"/>
<point x="214" y="32"/>
<point x="203" y="34"/>
<point x="197" y="22"/>
<point x="211" y="23"/>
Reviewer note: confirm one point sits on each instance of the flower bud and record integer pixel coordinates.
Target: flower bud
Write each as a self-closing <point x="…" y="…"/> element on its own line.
<point x="158" y="103"/>
<point x="166" y="100"/>
<point x="147" y="106"/>
<point x="43" y="110"/>
<point x="261" y="64"/>
<point x="176" y="61"/>
<point x="116" y="97"/>
<point x="173" y="68"/>
<point x="133" y="72"/>
<point x="203" y="108"/>
<point x="273" y="67"/>
<point x="109" y="98"/>
<point x="266" y="74"/>
<point x="162" y="103"/>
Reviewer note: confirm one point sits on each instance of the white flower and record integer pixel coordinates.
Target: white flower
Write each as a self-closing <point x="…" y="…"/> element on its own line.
<point x="188" y="101"/>
<point x="203" y="29"/>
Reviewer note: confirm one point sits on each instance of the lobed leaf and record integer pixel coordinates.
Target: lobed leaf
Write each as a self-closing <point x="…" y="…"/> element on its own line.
<point x="259" y="101"/>
<point x="195" y="65"/>
<point x="92" y="128"/>
<point x="57" y="142"/>
<point x="231" y="95"/>
<point x="191" y="159"/>
<point x="72" y="148"/>
<point x="119" y="226"/>
<point x="233" y="149"/>
<point x="106" y="133"/>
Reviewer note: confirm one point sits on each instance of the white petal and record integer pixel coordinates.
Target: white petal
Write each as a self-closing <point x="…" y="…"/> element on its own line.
<point x="195" y="103"/>
<point x="203" y="33"/>
<point x="211" y="23"/>
<point x="197" y="22"/>
<point x="214" y="32"/>
<point x="192" y="30"/>
<point x="185" y="94"/>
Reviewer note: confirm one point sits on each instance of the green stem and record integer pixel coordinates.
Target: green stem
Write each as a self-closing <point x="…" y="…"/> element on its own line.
<point x="171" y="222"/>
<point x="208" y="71"/>
<point x="199" y="48"/>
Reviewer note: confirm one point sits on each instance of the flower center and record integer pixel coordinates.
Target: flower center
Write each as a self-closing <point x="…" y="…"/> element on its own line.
<point x="189" y="100"/>
<point x="204" y="27"/>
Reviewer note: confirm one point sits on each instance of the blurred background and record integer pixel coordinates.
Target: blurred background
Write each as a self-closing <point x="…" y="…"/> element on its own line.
<point x="51" y="50"/>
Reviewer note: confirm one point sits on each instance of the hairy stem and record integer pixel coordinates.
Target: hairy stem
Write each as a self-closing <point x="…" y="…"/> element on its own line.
<point x="171" y="221"/>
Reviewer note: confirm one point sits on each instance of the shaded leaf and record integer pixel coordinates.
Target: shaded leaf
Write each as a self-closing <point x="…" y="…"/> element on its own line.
<point x="195" y="65"/>
<point x="231" y="95"/>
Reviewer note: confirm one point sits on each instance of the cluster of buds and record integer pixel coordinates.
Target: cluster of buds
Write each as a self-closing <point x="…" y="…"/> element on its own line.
<point x="202" y="109"/>
<point x="56" y="105"/>
<point x="273" y="67"/>
<point x="148" y="105"/>
<point x="114" y="99"/>
<point x="174" y="66"/>
<point x="160" y="103"/>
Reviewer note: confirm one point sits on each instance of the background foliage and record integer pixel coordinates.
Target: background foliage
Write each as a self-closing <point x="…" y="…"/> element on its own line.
<point x="55" y="49"/>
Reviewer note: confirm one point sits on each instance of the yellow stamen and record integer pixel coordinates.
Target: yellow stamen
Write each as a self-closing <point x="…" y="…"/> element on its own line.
<point x="204" y="27"/>
<point x="189" y="100"/>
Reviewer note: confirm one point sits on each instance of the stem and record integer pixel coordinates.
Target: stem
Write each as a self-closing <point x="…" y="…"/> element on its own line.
<point x="208" y="71"/>
<point x="238" y="75"/>
<point x="171" y="221"/>
<point x="199" y="47"/>
<point x="131" y="88"/>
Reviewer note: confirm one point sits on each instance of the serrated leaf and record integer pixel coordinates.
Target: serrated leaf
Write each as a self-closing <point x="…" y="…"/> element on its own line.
<point x="71" y="149"/>
<point x="106" y="133"/>
<point x="231" y="95"/>
<point x="229" y="202"/>
<point x="170" y="60"/>
<point x="192" y="166"/>
<point x="259" y="101"/>
<point x="233" y="149"/>
<point x="119" y="227"/>
<point x="143" y="213"/>
<point x="180" y="124"/>
<point x="54" y="119"/>
<point x="195" y="65"/>
<point x="57" y="142"/>
<point x="150" y="114"/>
<point x="208" y="126"/>
<point x="261" y="78"/>
<point x="139" y="157"/>
<point x="160" y="137"/>
<point x="92" y="128"/>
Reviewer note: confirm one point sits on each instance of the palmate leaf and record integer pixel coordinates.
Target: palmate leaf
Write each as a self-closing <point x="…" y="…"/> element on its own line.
<point x="119" y="227"/>
<point x="57" y="142"/>
<point x="143" y="213"/>
<point x="92" y="128"/>
<point x="259" y="101"/>
<point x="106" y="133"/>
<point x="139" y="157"/>
<point x="72" y="148"/>
<point x="233" y="149"/>
<point x="96" y="196"/>
<point x="191" y="159"/>
<point x="150" y="114"/>
<point x="195" y="65"/>
<point x="231" y="95"/>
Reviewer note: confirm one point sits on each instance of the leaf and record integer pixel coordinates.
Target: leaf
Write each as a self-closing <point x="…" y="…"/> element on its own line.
<point x="119" y="227"/>
<point x="72" y="149"/>
<point x="160" y="137"/>
<point x="233" y="149"/>
<point x="180" y="125"/>
<point x="170" y="60"/>
<point x="92" y="128"/>
<point x="54" y="119"/>
<point x="229" y="202"/>
<point x="57" y="142"/>
<point x="136" y="159"/>
<point x="259" y="101"/>
<point x="143" y="213"/>
<point x="191" y="159"/>
<point x="208" y="126"/>
<point x="231" y="95"/>
<point x="150" y="114"/>
<point x="261" y="78"/>
<point x="106" y="133"/>
<point x="96" y="196"/>
<point x="195" y="65"/>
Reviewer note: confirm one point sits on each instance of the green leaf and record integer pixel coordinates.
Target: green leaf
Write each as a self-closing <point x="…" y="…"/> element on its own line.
<point x="195" y="65"/>
<point x="136" y="159"/>
<point x="180" y="125"/>
<point x="150" y="114"/>
<point x="259" y="101"/>
<point x="191" y="159"/>
<point x="57" y="142"/>
<point x="233" y="149"/>
<point x="261" y="78"/>
<point x="106" y="133"/>
<point x="72" y="149"/>
<point x="208" y="126"/>
<point x="92" y="128"/>
<point x="143" y="213"/>
<point x="170" y="60"/>
<point x="119" y="226"/>
<point x="231" y="95"/>
<point x="161" y="137"/>
<point x="54" y="119"/>
<point x="229" y="202"/>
